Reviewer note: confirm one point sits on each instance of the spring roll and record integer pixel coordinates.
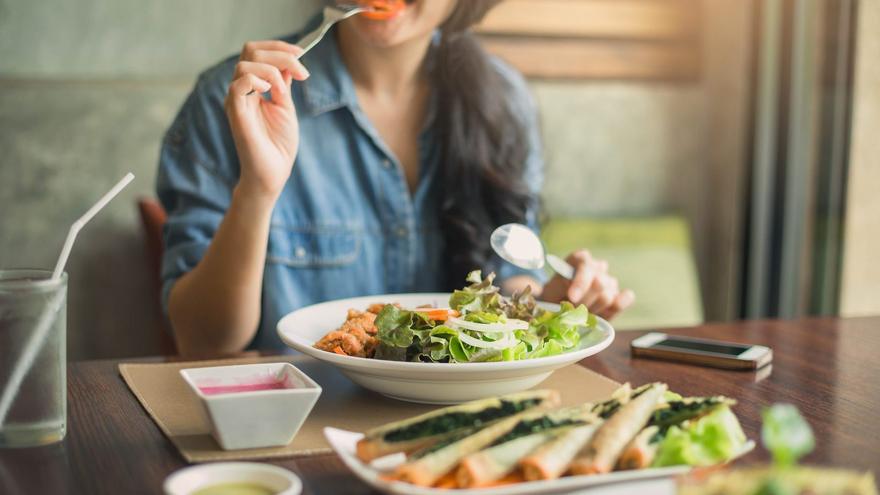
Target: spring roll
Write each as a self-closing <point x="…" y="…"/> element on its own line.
<point x="494" y="463"/>
<point x="640" y="451"/>
<point x="611" y="438"/>
<point x="432" y="465"/>
<point x="552" y="459"/>
<point x="427" y="466"/>
<point x="501" y="457"/>
<point x="427" y="429"/>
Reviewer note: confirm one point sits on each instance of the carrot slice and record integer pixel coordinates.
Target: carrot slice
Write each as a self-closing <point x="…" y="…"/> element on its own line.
<point x="384" y="9"/>
<point x="338" y="350"/>
<point x="438" y="314"/>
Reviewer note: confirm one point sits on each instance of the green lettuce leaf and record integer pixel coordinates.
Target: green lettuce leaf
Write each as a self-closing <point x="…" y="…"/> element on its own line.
<point x="390" y="352"/>
<point x="480" y="296"/>
<point x="558" y="332"/>
<point x="457" y="351"/>
<point x="485" y="317"/>
<point x="712" y="439"/>
<point x="522" y="305"/>
<point x="400" y="330"/>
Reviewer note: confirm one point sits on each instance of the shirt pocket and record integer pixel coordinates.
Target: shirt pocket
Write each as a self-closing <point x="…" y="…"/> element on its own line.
<point x="314" y="246"/>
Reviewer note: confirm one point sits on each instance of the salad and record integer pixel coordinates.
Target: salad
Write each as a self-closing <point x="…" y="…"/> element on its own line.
<point x="480" y="325"/>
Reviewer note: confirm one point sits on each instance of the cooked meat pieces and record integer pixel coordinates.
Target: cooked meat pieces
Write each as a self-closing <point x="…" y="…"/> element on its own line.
<point x="348" y="343"/>
<point x="374" y="308"/>
<point x="356" y="337"/>
<point x="362" y="321"/>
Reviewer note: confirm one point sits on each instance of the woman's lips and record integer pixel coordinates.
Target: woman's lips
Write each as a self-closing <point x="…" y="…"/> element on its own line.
<point x="383" y="10"/>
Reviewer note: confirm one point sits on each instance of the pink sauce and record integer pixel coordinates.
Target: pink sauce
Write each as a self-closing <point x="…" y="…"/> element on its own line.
<point x="244" y="387"/>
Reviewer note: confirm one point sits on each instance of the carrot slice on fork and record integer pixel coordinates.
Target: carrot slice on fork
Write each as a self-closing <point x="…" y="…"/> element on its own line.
<point x="382" y="9"/>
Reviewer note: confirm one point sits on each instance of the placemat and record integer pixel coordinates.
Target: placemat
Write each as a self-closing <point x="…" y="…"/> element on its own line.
<point x="179" y="414"/>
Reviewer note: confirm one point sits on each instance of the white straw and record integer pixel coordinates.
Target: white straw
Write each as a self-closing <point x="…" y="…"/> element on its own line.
<point x="47" y="317"/>
<point x="83" y="220"/>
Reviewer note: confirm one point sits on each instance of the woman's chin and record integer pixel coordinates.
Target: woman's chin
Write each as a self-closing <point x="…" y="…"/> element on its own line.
<point x="381" y="33"/>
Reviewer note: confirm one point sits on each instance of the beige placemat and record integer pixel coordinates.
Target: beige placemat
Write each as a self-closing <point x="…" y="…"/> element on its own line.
<point x="178" y="413"/>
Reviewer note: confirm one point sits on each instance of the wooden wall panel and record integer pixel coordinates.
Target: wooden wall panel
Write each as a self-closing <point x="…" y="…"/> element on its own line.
<point x="597" y="39"/>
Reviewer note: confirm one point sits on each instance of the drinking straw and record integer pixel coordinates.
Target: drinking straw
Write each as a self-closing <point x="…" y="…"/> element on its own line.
<point x="44" y="322"/>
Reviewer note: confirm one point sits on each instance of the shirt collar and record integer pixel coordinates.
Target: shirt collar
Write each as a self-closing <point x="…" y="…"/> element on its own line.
<point x="330" y="86"/>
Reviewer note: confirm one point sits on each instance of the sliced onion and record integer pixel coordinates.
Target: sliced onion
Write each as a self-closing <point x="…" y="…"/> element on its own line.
<point x="511" y="325"/>
<point x="507" y="341"/>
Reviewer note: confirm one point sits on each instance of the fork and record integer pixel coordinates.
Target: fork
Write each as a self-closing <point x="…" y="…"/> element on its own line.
<point x="332" y="15"/>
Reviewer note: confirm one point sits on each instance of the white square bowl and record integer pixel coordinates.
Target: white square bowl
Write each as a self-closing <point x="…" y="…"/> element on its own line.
<point x="254" y="419"/>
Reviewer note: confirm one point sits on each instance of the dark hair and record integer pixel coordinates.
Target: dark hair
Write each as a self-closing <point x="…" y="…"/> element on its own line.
<point x="483" y="144"/>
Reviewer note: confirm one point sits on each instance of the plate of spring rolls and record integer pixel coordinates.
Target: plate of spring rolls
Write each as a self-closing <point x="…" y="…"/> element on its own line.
<point x="525" y="442"/>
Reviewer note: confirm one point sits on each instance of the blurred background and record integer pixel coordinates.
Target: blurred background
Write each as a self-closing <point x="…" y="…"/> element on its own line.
<point x="723" y="155"/>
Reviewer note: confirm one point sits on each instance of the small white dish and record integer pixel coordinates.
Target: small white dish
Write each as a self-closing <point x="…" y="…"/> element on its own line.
<point x="344" y="443"/>
<point x="431" y="383"/>
<point x="254" y="405"/>
<point x="276" y="480"/>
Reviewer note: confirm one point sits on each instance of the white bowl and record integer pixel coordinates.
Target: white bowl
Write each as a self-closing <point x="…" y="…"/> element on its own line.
<point x="432" y="383"/>
<point x="253" y="419"/>
<point x="188" y="480"/>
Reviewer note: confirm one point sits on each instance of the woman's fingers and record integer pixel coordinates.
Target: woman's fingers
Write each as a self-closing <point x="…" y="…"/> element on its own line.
<point x="274" y="61"/>
<point x="247" y="51"/>
<point x="591" y="286"/>
<point x="279" y="90"/>
<point x="601" y="293"/>
<point x="584" y="275"/>
<point x="623" y="300"/>
<point x="607" y="294"/>
<point x="283" y="61"/>
<point x="244" y="84"/>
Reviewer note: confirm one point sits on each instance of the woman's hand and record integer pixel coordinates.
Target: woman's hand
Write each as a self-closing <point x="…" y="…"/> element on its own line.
<point x="591" y="286"/>
<point x="266" y="132"/>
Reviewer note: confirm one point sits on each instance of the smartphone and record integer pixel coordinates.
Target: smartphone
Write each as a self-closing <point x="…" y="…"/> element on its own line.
<point x="703" y="352"/>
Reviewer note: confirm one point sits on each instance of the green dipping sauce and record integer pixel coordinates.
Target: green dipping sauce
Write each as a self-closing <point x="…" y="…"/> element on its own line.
<point x="235" y="489"/>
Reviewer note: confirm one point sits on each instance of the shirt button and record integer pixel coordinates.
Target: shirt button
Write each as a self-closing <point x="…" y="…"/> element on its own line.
<point x="402" y="232"/>
<point x="386" y="163"/>
<point x="300" y="252"/>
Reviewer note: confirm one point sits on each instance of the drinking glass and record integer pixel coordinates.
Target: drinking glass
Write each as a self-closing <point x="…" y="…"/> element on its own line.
<point x="33" y="327"/>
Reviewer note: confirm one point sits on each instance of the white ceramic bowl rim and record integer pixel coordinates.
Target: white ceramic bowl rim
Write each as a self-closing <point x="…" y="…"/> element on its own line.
<point x="285" y="367"/>
<point x="189" y="479"/>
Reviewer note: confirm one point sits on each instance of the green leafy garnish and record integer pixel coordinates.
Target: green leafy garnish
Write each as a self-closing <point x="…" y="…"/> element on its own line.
<point x="711" y="439"/>
<point x="786" y="434"/>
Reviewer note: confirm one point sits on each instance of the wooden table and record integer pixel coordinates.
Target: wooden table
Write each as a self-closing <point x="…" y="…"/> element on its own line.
<point x="829" y="368"/>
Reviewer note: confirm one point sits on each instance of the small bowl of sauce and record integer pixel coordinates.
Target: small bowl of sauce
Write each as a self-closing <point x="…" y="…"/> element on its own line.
<point x="235" y="489"/>
<point x="233" y="478"/>
<point x="253" y="405"/>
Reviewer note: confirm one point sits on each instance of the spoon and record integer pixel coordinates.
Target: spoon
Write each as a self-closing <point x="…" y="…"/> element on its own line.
<point x="520" y="246"/>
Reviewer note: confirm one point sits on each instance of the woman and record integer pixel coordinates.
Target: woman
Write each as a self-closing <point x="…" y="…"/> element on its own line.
<point x="384" y="170"/>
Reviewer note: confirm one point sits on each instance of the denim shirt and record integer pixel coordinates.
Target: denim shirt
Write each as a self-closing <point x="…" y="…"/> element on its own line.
<point x="345" y="224"/>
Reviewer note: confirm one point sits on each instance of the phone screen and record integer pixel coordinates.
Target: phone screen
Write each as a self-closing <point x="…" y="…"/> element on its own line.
<point x="727" y="349"/>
